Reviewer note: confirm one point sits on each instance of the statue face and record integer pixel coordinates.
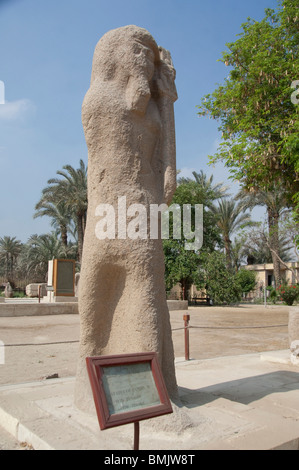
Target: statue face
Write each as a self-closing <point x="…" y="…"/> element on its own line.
<point x="144" y="59"/>
<point x="138" y="68"/>
<point x="130" y="62"/>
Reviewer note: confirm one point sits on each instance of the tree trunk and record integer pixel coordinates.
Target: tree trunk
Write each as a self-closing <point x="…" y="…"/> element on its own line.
<point x="7" y="266"/>
<point x="227" y="246"/>
<point x="63" y="231"/>
<point x="80" y="235"/>
<point x="273" y="220"/>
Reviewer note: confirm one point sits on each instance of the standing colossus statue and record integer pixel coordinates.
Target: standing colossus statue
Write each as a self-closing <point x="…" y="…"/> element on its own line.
<point x="128" y="120"/>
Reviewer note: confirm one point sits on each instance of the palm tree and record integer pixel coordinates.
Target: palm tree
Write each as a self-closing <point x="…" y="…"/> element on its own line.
<point x="59" y="214"/>
<point x="256" y="248"/>
<point x="230" y="217"/>
<point x="211" y="190"/>
<point x="10" y="249"/>
<point x="276" y="203"/>
<point x="39" y="249"/>
<point x="238" y="254"/>
<point x="71" y="190"/>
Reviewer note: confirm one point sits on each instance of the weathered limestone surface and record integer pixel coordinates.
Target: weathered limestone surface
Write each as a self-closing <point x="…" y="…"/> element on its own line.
<point x="128" y="120"/>
<point x="77" y="282"/>
<point x="32" y="290"/>
<point x="8" y="292"/>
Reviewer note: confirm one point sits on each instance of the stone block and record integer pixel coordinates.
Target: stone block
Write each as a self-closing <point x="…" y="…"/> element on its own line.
<point x="32" y="290"/>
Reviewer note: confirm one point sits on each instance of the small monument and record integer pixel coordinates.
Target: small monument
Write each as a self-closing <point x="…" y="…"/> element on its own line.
<point x="77" y="282"/>
<point x="8" y="292"/>
<point x="61" y="281"/>
<point x="128" y="120"/>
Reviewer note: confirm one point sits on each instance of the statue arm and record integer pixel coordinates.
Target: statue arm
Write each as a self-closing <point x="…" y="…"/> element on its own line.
<point x="167" y="95"/>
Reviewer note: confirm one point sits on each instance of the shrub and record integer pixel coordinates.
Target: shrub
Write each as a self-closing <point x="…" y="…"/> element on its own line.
<point x="274" y="296"/>
<point x="246" y="279"/>
<point x="288" y="293"/>
<point x="220" y="284"/>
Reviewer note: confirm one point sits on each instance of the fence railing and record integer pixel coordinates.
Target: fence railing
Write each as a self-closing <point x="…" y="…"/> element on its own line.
<point x="186" y="327"/>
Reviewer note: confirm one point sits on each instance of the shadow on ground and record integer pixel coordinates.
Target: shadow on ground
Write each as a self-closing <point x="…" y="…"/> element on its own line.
<point x="243" y="391"/>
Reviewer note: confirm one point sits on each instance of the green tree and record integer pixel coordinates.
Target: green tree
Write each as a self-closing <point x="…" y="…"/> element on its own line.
<point x="275" y="203"/>
<point x="258" y="119"/>
<point x="259" y="248"/>
<point x="10" y="249"/>
<point x="246" y="279"/>
<point x="256" y="247"/>
<point x="39" y="249"/>
<point x="59" y="214"/>
<point x="70" y="192"/>
<point x="181" y="265"/>
<point x="230" y="217"/>
<point x="209" y="190"/>
<point x="219" y="282"/>
<point x="238" y="254"/>
<point x="193" y="193"/>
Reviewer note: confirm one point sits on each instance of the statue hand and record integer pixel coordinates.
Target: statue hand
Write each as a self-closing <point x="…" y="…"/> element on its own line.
<point x="166" y="76"/>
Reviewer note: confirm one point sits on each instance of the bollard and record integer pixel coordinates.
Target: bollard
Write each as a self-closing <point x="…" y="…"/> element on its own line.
<point x="186" y="328"/>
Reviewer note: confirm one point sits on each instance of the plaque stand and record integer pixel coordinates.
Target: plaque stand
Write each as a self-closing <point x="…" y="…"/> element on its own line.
<point x="136" y="435"/>
<point x="127" y="388"/>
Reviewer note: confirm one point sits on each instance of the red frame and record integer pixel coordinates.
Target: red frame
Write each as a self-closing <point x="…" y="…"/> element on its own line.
<point x="106" y="420"/>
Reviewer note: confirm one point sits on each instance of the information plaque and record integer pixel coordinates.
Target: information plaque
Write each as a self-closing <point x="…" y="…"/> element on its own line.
<point x="64" y="277"/>
<point x="127" y="388"/>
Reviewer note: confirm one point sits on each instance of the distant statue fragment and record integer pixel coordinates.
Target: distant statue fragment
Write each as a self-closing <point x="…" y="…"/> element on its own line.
<point x="8" y="292"/>
<point x="128" y="120"/>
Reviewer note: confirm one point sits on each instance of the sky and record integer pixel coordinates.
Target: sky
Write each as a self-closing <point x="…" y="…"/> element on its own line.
<point x="46" y="50"/>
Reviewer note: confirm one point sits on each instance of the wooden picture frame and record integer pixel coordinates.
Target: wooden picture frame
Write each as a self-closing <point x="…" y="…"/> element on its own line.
<point x="127" y="388"/>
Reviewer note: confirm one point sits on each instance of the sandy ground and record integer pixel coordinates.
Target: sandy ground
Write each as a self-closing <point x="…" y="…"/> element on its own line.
<point x="215" y="331"/>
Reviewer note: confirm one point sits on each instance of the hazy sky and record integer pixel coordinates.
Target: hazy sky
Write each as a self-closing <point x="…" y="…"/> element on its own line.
<point x="46" y="50"/>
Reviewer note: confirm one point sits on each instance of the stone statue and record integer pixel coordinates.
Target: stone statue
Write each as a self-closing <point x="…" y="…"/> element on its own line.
<point x="8" y="292"/>
<point x="128" y="120"/>
<point x="77" y="283"/>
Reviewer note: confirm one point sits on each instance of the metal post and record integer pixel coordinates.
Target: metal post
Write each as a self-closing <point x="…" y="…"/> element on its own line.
<point x="186" y="328"/>
<point x="136" y="435"/>
<point x="39" y="293"/>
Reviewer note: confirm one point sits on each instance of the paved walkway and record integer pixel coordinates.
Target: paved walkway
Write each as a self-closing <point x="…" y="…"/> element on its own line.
<point x="236" y="402"/>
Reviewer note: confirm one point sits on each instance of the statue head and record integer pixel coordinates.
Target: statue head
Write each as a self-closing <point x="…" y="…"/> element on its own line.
<point x="128" y="56"/>
<point x="124" y="50"/>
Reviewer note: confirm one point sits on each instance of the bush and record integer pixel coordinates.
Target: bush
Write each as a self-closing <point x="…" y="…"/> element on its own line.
<point x="220" y="284"/>
<point x="246" y="279"/>
<point x="288" y="293"/>
<point x="274" y="296"/>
